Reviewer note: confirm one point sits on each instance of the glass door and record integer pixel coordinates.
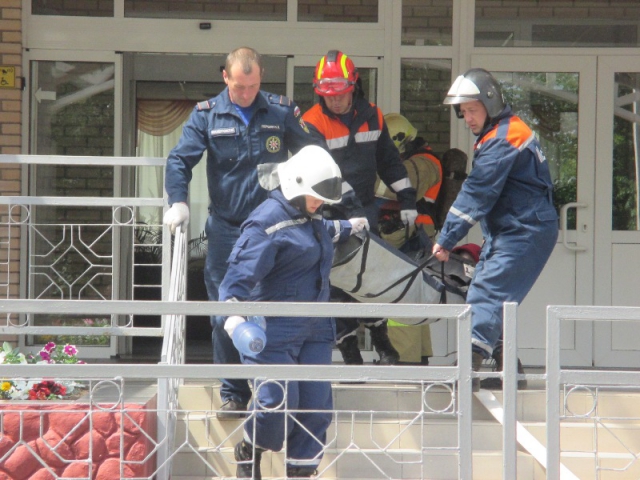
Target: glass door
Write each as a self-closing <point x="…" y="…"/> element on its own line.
<point x="70" y="253"/>
<point x="553" y="99"/>
<point x="617" y="214"/>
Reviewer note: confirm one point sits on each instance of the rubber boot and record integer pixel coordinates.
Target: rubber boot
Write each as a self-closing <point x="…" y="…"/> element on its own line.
<point x="496" y="383"/>
<point x="294" y="472"/>
<point x="476" y="364"/>
<point x="250" y="466"/>
<point x="382" y="344"/>
<point x="350" y="352"/>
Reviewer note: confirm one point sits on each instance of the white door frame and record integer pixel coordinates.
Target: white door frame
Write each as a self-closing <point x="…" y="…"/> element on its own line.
<point x="607" y="352"/>
<point x="577" y="338"/>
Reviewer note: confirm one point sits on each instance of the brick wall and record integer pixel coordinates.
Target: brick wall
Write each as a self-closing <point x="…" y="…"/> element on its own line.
<point x="360" y="11"/>
<point x="227" y="10"/>
<point x="10" y="142"/>
<point x="427" y="22"/>
<point x="86" y="8"/>
<point x="421" y="93"/>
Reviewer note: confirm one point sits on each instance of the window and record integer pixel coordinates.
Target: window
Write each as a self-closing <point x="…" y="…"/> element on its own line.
<point x="541" y="23"/>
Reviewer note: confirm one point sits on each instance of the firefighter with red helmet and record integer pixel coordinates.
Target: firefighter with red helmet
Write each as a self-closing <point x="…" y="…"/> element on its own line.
<point x="359" y="141"/>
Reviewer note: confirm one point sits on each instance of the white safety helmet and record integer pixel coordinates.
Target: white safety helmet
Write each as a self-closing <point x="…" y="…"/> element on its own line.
<point x="312" y="171"/>
<point x="476" y="84"/>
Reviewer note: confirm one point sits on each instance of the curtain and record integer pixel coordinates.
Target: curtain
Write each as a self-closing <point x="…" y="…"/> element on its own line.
<point x="159" y="126"/>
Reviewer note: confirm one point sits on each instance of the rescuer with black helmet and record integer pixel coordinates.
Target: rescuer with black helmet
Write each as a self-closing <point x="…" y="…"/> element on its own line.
<point x="509" y="192"/>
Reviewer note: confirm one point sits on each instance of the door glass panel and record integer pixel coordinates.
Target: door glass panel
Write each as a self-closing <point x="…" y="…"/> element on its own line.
<point x="626" y="152"/>
<point x="540" y="23"/>
<point x="266" y="10"/>
<point x="70" y="248"/>
<point x="305" y="97"/>
<point x="338" y="11"/>
<point x="423" y="86"/>
<point x="73" y="114"/>
<point x="548" y="103"/>
<point x="99" y="8"/>
<point x="427" y="22"/>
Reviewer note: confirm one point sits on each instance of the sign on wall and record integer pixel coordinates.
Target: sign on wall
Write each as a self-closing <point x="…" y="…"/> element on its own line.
<point x="7" y="77"/>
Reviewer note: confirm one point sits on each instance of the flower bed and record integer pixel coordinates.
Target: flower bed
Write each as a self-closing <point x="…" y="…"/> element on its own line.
<point x="40" y="389"/>
<point x="75" y="439"/>
<point x="52" y="428"/>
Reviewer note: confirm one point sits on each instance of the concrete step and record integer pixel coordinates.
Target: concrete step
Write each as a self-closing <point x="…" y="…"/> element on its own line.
<point x="399" y="431"/>
<point x="364" y="465"/>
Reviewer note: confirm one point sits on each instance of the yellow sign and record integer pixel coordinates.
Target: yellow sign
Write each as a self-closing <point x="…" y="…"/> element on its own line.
<point x="7" y="77"/>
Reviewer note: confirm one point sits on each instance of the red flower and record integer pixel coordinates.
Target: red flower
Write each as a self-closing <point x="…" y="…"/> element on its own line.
<point x="46" y="389"/>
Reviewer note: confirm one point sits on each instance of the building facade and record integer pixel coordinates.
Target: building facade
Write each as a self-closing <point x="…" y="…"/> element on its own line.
<point x="118" y="78"/>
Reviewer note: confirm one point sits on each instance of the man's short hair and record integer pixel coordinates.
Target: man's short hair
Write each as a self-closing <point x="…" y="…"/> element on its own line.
<point x="246" y="56"/>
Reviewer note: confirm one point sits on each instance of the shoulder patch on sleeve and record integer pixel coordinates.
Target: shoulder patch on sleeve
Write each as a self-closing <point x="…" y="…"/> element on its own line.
<point x="280" y="100"/>
<point x="206" y="105"/>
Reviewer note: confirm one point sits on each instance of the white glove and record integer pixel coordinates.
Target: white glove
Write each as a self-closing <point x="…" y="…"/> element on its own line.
<point x="232" y="322"/>
<point x="177" y="215"/>
<point x="408" y="217"/>
<point x="358" y="224"/>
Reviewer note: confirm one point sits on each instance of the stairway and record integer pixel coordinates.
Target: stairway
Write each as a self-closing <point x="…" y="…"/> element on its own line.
<point x="378" y="432"/>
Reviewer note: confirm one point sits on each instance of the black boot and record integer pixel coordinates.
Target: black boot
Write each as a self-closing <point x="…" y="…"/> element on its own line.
<point x="496" y="383"/>
<point x="382" y="344"/>
<point x="300" y="471"/>
<point x="476" y="364"/>
<point x="250" y="466"/>
<point x="350" y="352"/>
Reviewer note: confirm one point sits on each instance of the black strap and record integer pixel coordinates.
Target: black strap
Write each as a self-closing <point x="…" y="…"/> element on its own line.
<point x="363" y="262"/>
<point x="411" y="276"/>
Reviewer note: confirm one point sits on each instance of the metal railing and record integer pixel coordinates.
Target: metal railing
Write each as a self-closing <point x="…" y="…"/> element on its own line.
<point x="453" y="383"/>
<point x="73" y="247"/>
<point x="457" y="379"/>
<point x="564" y="384"/>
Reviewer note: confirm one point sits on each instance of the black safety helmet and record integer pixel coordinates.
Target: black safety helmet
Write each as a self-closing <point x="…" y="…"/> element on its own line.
<point x="476" y="84"/>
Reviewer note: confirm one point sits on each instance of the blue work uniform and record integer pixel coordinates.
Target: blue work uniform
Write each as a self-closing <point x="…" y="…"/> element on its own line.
<point x="234" y="148"/>
<point x="509" y="191"/>
<point x="284" y="255"/>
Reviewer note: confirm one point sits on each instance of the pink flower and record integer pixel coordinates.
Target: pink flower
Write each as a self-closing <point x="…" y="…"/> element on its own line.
<point x="49" y="347"/>
<point x="70" y="350"/>
<point x="45" y="355"/>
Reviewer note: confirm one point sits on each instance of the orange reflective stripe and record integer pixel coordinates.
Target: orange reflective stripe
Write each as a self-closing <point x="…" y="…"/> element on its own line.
<point x="424" y="219"/>
<point x="432" y="193"/>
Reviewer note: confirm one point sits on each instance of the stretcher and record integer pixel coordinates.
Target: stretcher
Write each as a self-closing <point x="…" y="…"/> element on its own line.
<point x="372" y="271"/>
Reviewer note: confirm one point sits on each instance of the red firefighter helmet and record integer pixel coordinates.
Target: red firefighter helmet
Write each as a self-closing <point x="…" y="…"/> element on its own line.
<point x="335" y="74"/>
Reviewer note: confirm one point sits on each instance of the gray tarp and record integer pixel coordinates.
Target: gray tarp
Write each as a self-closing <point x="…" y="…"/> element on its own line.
<point x="371" y="271"/>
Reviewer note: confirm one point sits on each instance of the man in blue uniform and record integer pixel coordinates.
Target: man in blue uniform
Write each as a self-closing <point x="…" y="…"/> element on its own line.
<point x="509" y="192"/>
<point x="239" y="129"/>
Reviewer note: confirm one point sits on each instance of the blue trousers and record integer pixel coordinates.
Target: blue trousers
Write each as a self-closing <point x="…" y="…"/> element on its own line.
<point x="509" y="266"/>
<point x="221" y="237"/>
<point x="293" y="341"/>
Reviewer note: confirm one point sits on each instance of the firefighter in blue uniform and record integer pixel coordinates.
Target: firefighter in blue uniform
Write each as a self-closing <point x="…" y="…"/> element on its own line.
<point x="239" y="129"/>
<point x="509" y="191"/>
<point x="284" y="254"/>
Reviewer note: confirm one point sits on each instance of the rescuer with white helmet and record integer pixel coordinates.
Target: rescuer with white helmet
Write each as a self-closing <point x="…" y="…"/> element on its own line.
<point x="284" y="254"/>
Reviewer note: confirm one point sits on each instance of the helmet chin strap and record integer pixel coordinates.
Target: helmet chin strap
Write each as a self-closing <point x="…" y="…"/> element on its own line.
<point x="299" y="203"/>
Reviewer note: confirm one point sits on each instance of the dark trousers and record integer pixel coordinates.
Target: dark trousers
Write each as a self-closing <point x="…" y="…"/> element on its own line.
<point x="221" y="237"/>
